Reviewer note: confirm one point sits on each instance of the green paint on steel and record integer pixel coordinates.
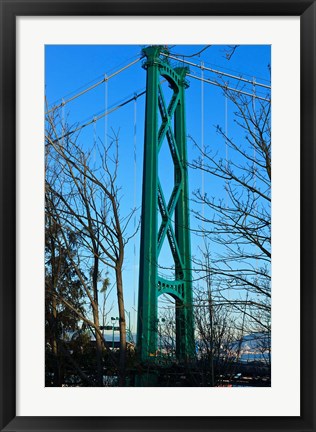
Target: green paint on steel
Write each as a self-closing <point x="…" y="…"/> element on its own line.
<point x="151" y="285"/>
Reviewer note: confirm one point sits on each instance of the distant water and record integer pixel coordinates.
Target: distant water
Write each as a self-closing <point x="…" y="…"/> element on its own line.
<point x="249" y="357"/>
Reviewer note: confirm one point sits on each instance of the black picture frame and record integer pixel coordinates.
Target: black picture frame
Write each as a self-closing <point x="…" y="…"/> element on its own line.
<point x="10" y="9"/>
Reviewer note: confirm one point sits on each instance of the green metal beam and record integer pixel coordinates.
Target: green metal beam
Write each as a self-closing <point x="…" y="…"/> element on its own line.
<point x="151" y="285"/>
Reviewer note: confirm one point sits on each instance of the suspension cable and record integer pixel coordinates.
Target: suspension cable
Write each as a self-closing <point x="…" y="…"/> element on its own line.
<point x="216" y="71"/>
<point x="106" y="78"/>
<point x="229" y="88"/>
<point x="97" y="118"/>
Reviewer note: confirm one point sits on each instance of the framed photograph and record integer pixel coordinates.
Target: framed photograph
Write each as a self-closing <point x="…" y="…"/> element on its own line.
<point x="153" y="275"/>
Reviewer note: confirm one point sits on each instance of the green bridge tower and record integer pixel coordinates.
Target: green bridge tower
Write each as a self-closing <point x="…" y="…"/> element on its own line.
<point x="174" y="226"/>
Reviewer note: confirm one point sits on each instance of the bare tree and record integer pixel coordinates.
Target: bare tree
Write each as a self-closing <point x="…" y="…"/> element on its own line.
<point x="236" y="216"/>
<point x="88" y="205"/>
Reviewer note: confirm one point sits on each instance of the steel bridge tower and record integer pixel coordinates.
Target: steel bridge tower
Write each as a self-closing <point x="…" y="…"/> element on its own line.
<point x="174" y="226"/>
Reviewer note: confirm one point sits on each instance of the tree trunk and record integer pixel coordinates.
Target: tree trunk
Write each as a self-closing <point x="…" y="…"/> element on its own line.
<point x="120" y="298"/>
<point x="56" y="381"/>
<point x="99" y="351"/>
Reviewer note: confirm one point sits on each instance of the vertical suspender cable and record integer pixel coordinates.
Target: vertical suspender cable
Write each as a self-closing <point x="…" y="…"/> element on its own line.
<point x="226" y="157"/>
<point x="94" y="140"/>
<point x="105" y="110"/>
<point x="135" y="203"/>
<point x="254" y="155"/>
<point x="63" y="126"/>
<point x="206" y="255"/>
<point x="202" y="144"/>
<point x="105" y="149"/>
<point x="254" y="120"/>
<point x="226" y="144"/>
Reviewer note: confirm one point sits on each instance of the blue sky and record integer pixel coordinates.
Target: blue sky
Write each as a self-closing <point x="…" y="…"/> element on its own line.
<point x="70" y="69"/>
